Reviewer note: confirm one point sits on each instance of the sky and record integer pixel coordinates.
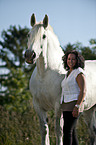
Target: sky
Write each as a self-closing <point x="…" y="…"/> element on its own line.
<point x="72" y="20"/>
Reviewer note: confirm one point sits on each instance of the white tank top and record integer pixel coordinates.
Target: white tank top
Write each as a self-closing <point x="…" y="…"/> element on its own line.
<point x="70" y="88"/>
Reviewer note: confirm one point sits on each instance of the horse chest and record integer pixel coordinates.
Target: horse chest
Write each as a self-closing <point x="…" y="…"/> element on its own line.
<point x="46" y="90"/>
<point x="42" y="94"/>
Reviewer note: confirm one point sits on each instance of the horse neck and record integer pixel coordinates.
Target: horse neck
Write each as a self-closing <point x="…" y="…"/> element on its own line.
<point x="42" y="66"/>
<point x="54" y="54"/>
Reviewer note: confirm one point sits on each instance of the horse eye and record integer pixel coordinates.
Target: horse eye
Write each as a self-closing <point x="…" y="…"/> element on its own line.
<point x="44" y="36"/>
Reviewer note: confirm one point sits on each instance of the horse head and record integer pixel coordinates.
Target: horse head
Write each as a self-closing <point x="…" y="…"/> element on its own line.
<point x="36" y="39"/>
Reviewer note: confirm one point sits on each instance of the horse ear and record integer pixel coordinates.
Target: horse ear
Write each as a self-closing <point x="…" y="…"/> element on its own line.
<point x="45" y="21"/>
<point x="33" y="20"/>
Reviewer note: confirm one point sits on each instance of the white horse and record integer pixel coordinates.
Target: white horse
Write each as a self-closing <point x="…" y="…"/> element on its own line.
<point x="45" y="82"/>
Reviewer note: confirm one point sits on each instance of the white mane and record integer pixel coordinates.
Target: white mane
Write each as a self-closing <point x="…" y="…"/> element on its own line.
<point x="55" y="53"/>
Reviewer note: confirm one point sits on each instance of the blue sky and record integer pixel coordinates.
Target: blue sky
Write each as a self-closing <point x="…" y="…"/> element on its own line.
<point x="72" y="20"/>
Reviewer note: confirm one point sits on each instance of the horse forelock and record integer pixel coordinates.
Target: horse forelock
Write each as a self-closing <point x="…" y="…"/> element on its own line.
<point x="34" y="33"/>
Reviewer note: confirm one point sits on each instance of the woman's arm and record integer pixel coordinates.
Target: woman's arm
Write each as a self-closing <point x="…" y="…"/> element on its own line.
<point x="82" y="85"/>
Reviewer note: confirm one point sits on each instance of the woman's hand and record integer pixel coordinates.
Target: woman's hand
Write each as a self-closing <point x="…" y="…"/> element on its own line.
<point x="75" y="112"/>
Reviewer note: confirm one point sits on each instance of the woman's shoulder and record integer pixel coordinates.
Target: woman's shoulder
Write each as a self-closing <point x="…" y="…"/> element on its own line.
<point x="78" y="71"/>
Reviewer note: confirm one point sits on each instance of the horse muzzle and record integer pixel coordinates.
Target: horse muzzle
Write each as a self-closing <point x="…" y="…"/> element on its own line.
<point x="30" y="56"/>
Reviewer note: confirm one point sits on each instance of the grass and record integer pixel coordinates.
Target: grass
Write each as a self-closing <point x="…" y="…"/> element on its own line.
<point x="23" y="129"/>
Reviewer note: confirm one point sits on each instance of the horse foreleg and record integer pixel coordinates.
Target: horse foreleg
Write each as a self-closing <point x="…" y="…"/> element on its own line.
<point x="59" y="128"/>
<point x="44" y="130"/>
<point x="90" y="120"/>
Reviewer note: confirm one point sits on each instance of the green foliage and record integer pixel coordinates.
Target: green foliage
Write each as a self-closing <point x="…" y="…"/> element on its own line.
<point x="13" y="44"/>
<point x="17" y="93"/>
<point x="82" y="131"/>
<point x="14" y="92"/>
<point x="92" y="42"/>
<point x="23" y="129"/>
<point x="19" y="129"/>
<point x="89" y="53"/>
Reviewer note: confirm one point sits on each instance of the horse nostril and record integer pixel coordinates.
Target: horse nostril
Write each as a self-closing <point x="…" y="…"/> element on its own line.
<point x="34" y="55"/>
<point x="28" y="53"/>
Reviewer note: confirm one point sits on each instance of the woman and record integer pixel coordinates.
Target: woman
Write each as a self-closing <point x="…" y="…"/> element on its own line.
<point x="73" y="94"/>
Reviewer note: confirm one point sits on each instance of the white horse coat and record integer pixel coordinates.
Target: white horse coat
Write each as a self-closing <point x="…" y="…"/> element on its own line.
<point x="45" y="82"/>
<point x="90" y="73"/>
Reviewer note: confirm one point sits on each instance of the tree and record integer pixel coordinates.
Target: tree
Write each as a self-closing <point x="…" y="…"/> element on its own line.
<point x="93" y="46"/>
<point x="13" y="77"/>
<point x="69" y="47"/>
<point x="89" y="53"/>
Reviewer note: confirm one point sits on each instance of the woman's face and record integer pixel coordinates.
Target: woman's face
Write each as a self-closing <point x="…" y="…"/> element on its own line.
<point x="71" y="61"/>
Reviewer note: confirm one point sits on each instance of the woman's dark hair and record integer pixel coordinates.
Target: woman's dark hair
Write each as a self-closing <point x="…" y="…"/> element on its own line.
<point x="80" y="59"/>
